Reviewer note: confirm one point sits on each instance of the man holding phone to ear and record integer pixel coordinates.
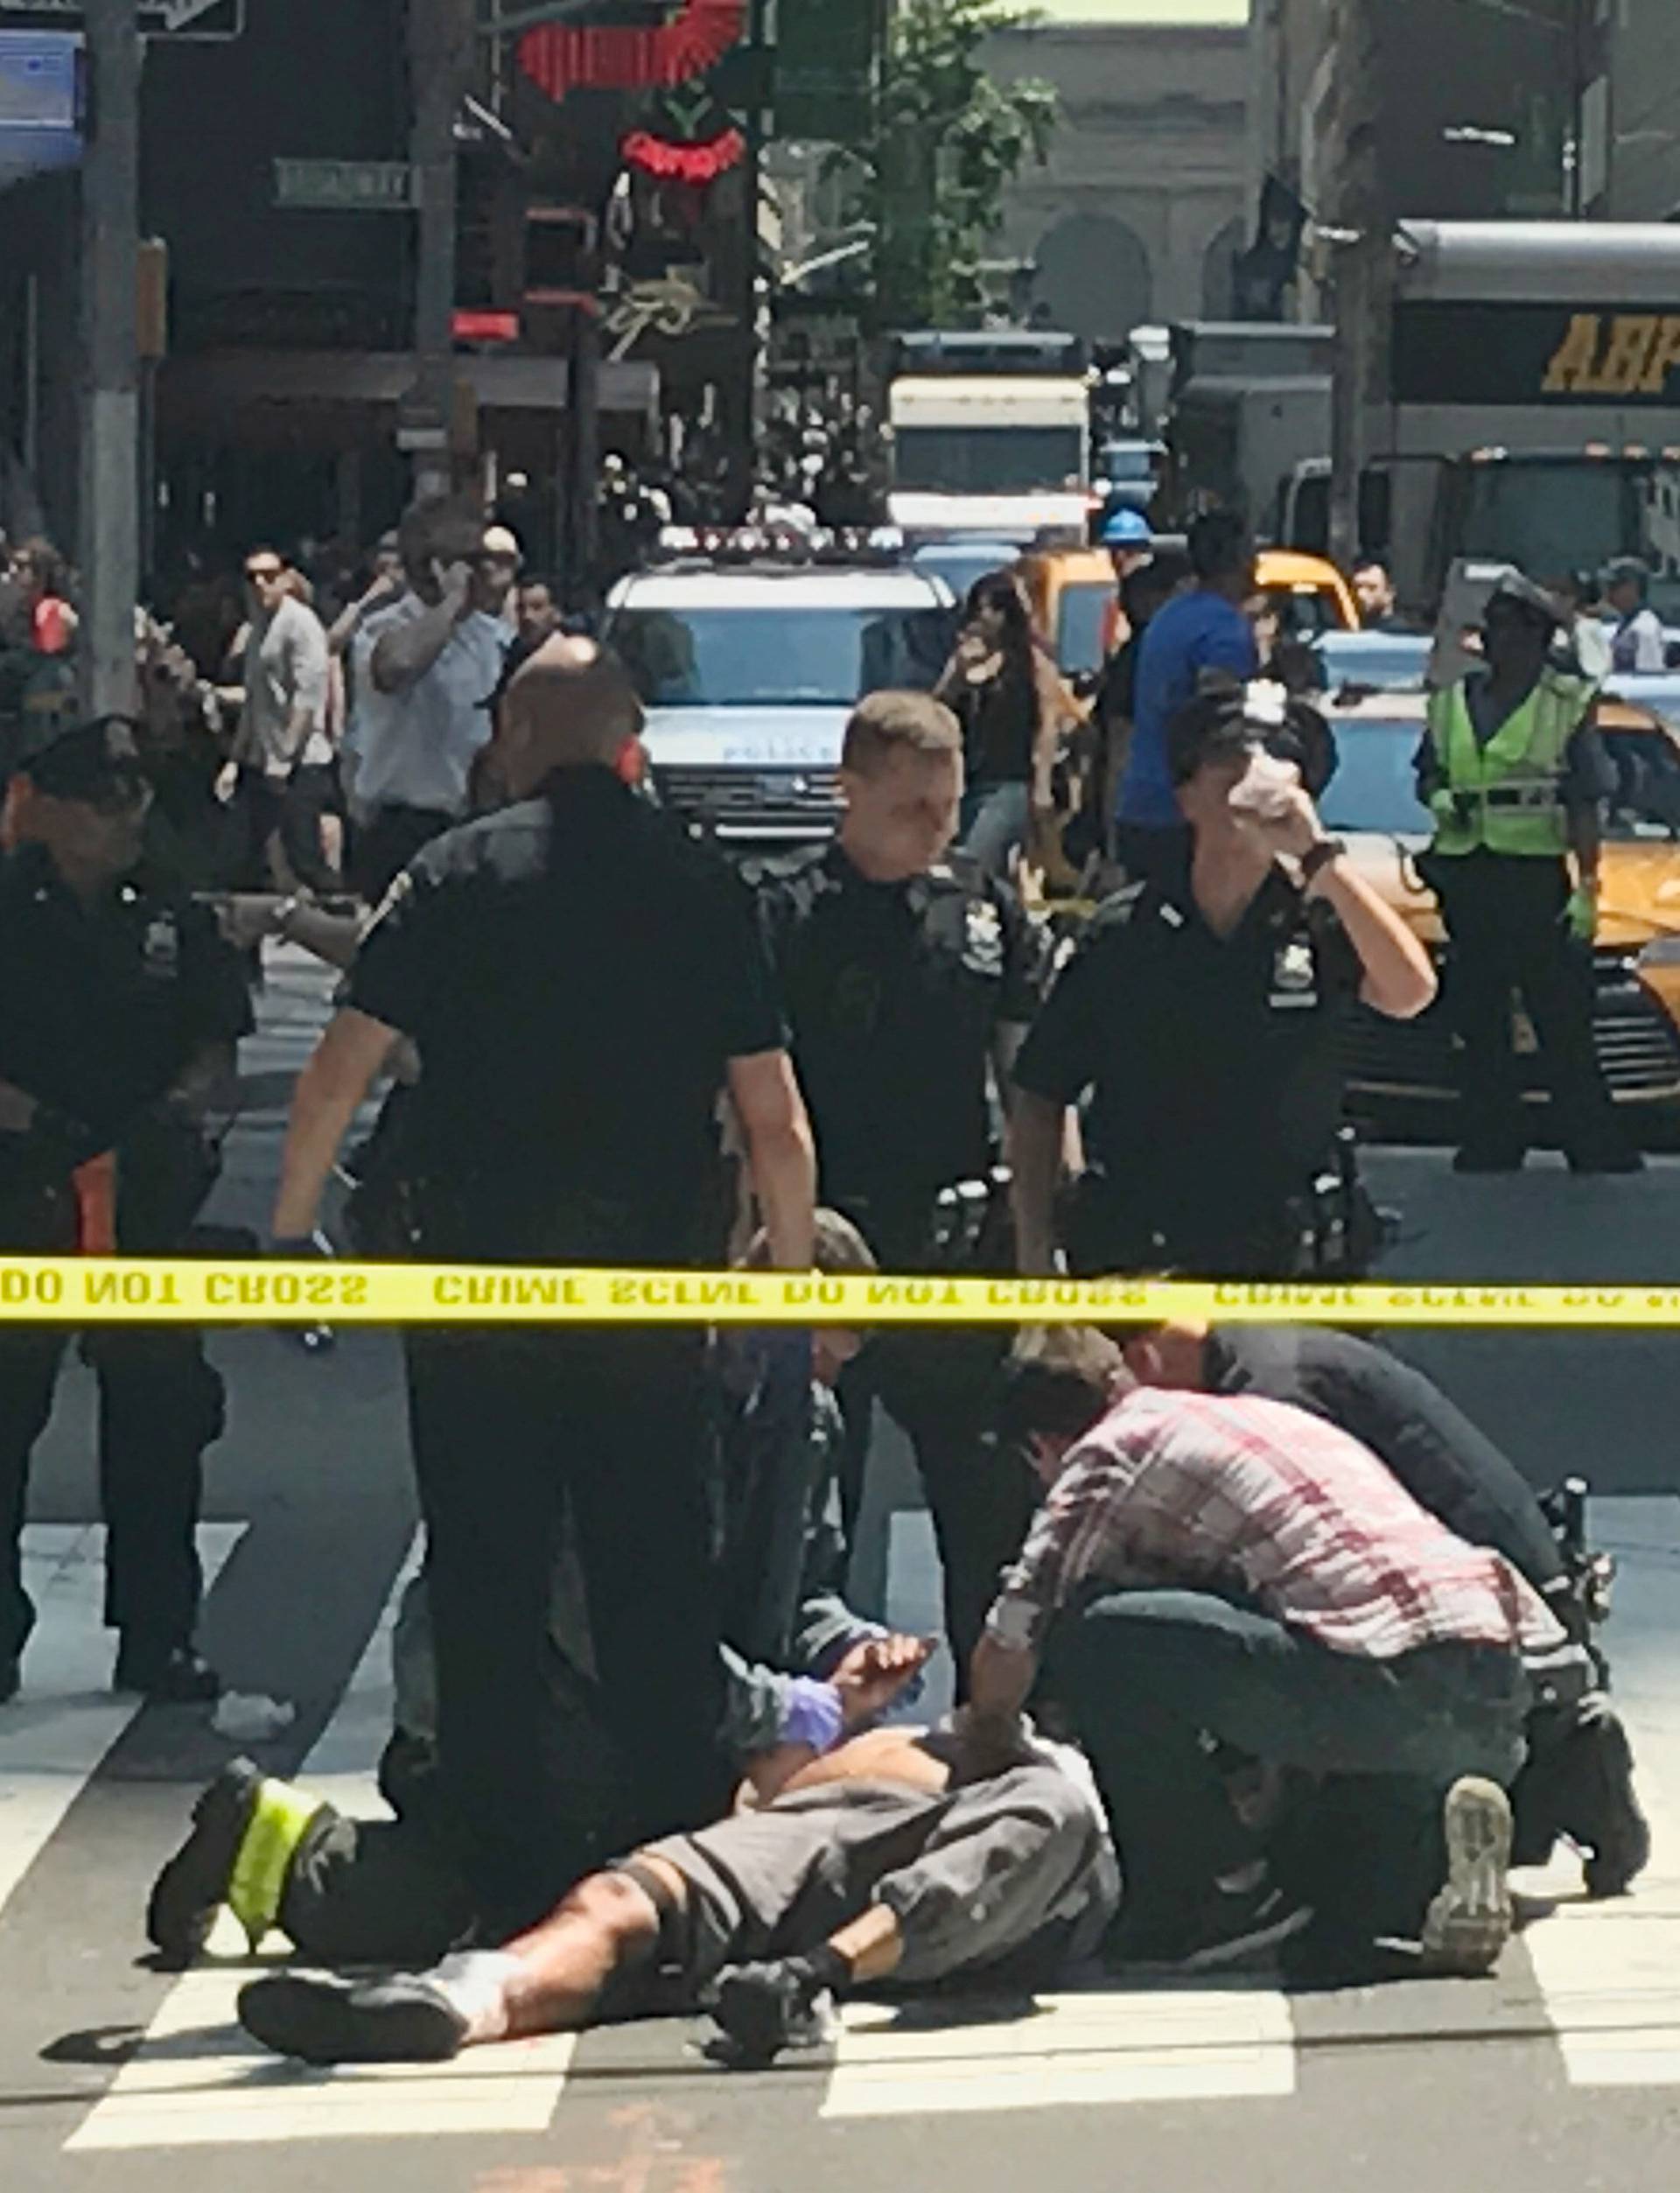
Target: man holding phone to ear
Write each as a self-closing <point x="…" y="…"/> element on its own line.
<point x="425" y="667"/>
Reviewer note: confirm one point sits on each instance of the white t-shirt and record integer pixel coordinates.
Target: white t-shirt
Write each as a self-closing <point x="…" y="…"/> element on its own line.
<point x="1640" y="644"/>
<point x="286" y="679"/>
<point x="415" y="747"/>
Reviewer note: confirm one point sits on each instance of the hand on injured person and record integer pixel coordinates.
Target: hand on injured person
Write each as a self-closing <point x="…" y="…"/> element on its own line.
<point x="876" y="1671"/>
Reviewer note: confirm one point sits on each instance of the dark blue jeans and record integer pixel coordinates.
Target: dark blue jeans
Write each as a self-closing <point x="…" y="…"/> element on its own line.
<point x="1145" y="1673"/>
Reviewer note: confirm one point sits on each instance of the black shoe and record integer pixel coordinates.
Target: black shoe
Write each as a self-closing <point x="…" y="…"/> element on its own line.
<point x="193" y="1886"/>
<point x="174" y="1674"/>
<point x="1613" y="1160"/>
<point x="319" y="2019"/>
<point x="1579" y="1782"/>
<point x="761" y="2009"/>
<point x="1474" y="1158"/>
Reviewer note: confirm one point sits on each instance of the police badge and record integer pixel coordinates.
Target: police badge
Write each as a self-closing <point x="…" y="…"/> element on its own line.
<point x="982" y="942"/>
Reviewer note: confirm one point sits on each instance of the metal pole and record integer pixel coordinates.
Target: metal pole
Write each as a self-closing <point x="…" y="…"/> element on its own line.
<point x="440" y="39"/>
<point x="1359" y="263"/>
<point x="108" y="515"/>
<point x="1578" y="109"/>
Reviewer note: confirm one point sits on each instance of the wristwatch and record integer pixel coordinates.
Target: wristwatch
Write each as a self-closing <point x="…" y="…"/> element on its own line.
<point x="1318" y="857"/>
<point x="284" y="913"/>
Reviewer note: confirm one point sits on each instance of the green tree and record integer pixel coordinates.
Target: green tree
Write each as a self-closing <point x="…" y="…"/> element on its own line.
<point x="945" y="142"/>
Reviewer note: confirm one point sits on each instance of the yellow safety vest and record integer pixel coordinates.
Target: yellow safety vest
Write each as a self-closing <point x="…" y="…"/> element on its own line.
<point x="1507" y="794"/>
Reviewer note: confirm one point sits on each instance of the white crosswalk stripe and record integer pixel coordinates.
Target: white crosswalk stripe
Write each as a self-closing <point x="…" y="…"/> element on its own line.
<point x="197" y="2081"/>
<point x="1609" y="1973"/>
<point x="1158" y="2045"/>
<point x="64" y="1721"/>
<point x="1604" y="1981"/>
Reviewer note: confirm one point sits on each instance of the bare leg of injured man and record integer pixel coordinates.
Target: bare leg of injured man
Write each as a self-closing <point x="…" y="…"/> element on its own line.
<point x="880" y="1861"/>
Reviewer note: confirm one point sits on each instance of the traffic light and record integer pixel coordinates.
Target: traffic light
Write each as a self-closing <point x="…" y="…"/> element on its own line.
<point x="560" y="256"/>
<point x="561" y="274"/>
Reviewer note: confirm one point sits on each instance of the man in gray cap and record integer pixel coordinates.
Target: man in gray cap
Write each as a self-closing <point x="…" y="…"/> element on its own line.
<point x="1640" y="644"/>
<point x="1514" y="771"/>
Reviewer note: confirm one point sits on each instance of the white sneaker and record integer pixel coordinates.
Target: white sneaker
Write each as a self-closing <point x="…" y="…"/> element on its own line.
<point x="1469" y="1922"/>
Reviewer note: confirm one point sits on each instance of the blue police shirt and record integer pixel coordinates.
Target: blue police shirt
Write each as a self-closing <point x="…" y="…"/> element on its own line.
<point x="1195" y="632"/>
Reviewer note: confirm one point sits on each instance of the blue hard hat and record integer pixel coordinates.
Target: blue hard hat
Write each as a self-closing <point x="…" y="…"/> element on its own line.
<point x="1125" y="527"/>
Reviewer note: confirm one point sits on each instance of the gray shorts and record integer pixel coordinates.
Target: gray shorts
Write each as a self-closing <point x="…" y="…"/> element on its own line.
<point x="975" y="1874"/>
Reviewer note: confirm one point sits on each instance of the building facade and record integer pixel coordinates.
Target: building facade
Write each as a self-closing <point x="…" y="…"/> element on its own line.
<point x="1139" y="212"/>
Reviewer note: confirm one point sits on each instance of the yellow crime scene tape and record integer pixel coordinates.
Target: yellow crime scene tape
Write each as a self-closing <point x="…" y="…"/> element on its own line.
<point x="203" y="1291"/>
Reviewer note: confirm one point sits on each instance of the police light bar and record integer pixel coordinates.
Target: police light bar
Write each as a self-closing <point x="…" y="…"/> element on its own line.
<point x="786" y="544"/>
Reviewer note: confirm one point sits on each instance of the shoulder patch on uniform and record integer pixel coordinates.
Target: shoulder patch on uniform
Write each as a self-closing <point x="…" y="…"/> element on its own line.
<point x="1118" y="909"/>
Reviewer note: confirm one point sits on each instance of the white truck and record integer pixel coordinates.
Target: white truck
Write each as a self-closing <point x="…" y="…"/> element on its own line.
<point x="1530" y="410"/>
<point x="991" y="435"/>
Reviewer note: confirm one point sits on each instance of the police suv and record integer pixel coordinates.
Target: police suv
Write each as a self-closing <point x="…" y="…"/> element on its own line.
<point x="749" y="661"/>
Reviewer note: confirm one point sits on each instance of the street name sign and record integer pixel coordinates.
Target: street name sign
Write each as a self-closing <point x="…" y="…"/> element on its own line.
<point x="365" y="186"/>
<point x="158" y="19"/>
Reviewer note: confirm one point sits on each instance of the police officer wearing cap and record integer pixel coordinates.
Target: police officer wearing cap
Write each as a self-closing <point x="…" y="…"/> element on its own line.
<point x="120" y="1013"/>
<point x="1196" y="1026"/>
<point x="1513" y="771"/>
<point x="908" y="975"/>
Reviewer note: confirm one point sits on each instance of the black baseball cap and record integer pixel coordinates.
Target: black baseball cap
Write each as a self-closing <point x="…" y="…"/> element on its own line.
<point x="97" y="761"/>
<point x="1517" y="591"/>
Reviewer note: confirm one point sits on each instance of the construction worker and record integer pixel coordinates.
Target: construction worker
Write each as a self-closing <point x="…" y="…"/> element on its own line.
<point x="1514" y="771"/>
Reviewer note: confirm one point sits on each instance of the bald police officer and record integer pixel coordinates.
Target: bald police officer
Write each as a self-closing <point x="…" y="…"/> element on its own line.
<point x="582" y="982"/>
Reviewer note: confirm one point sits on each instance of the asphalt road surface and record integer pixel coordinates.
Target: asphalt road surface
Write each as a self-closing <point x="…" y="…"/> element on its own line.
<point x="1559" y="2075"/>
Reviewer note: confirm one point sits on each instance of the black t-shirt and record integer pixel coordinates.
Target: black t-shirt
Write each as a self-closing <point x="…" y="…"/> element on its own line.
<point x="1000" y="722"/>
<point x="894" y="994"/>
<point x="1210" y="1065"/>
<point x="576" y="972"/>
<point x="102" y="1008"/>
<point x="1443" y="1462"/>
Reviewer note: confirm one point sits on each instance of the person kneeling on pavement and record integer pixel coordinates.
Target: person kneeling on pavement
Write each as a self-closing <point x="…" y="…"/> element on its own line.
<point x="1577" y="1781"/>
<point x="889" y="1861"/>
<point x="1212" y="1577"/>
<point x="802" y="1671"/>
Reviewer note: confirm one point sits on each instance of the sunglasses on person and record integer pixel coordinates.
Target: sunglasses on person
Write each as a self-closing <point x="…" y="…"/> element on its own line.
<point x="264" y="574"/>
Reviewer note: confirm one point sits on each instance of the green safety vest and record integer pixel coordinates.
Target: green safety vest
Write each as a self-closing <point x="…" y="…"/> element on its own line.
<point x="1507" y="794"/>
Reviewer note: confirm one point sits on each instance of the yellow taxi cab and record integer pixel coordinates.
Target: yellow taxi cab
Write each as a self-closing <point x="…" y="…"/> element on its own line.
<point x="1403" y="1068"/>
<point x="1075" y="605"/>
<point x="1309" y="592"/>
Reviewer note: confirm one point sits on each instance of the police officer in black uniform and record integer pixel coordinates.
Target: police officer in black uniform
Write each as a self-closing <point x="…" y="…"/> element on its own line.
<point x="908" y="978"/>
<point x="1198" y="1021"/>
<point x="582" y="982"/>
<point x="120" y="1011"/>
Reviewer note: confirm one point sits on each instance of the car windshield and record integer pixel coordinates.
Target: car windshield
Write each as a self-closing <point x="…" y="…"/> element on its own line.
<point x="1121" y="462"/>
<point x="987" y="460"/>
<point x="1373" y="789"/>
<point x="1304" y="612"/>
<point x="1083" y="619"/>
<point x="1645" y="771"/>
<point x="779" y="658"/>
<point x="1575" y="513"/>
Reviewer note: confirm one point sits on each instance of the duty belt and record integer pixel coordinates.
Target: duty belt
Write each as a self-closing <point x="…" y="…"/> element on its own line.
<point x="1515" y="795"/>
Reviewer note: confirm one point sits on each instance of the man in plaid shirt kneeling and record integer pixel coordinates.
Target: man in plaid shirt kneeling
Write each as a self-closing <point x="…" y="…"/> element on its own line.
<point x="1303" y="1696"/>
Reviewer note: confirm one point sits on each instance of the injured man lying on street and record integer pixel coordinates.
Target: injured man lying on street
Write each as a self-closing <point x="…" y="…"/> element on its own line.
<point x="884" y="1863"/>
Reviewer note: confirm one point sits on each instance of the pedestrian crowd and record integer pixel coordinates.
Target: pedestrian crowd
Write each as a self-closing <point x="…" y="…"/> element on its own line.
<point x="1259" y="1644"/>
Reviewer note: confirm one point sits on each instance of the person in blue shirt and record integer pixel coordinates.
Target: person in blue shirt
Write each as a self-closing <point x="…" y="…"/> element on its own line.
<point x="1203" y="628"/>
